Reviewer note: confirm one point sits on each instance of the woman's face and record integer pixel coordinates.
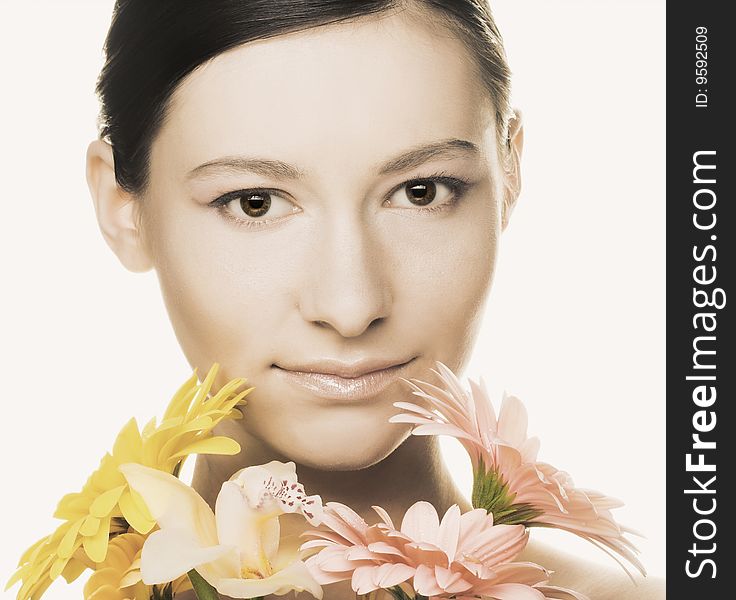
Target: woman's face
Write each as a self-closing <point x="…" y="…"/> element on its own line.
<point x="360" y="191"/>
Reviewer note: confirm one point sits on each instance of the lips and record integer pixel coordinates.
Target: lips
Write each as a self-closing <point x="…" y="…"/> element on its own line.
<point x="333" y="380"/>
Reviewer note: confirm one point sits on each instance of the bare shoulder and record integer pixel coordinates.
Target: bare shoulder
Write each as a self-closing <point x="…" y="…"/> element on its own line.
<point x="596" y="581"/>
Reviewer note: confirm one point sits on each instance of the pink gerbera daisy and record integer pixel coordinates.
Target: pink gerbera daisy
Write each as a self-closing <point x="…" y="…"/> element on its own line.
<point x="507" y="479"/>
<point x="463" y="556"/>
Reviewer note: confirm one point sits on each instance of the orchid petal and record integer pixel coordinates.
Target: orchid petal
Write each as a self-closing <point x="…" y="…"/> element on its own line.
<point x="170" y="553"/>
<point x="256" y="536"/>
<point x="295" y="576"/>
<point x="172" y="503"/>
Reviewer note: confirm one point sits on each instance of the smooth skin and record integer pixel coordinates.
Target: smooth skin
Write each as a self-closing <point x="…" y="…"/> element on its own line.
<point x="343" y="265"/>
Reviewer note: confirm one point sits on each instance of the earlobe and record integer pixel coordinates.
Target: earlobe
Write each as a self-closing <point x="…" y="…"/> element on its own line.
<point x="117" y="211"/>
<point x="512" y="187"/>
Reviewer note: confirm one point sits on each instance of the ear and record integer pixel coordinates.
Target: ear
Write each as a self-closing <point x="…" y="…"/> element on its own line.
<point x="512" y="167"/>
<point x="118" y="212"/>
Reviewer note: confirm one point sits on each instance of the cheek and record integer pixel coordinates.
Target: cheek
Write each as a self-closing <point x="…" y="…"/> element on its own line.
<point x="445" y="275"/>
<point x="224" y="289"/>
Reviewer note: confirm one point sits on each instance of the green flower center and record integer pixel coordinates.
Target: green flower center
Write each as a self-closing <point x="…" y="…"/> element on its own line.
<point x="492" y="493"/>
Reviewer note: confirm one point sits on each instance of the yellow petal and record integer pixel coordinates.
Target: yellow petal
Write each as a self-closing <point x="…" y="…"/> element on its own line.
<point x="224" y="401"/>
<point x="104" y="503"/>
<point x="38" y="588"/>
<point x="96" y="546"/>
<point x="106" y="592"/>
<point x="32" y="551"/>
<point x="168" y="424"/>
<point x="130" y="578"/>
<point x="214" y="445"/>
<point x="66" y="546"/>
<point x="90" y="526"/>
<point x="196" y="425"/>
<point x="57" y="567"/>
<point x="237" y="400"/>
<point x="128" y="444"/>
<point x="71" y="506"/>
<point x="132" y="544"/>
<point x="73" y="570"/>
<point x="134" y="513"/>
<point x="106" y="477"/>
<point x="206" y="385"/>
<point x="117" y="558"/>
<point x="36" y="573"/>
<point x="141" y="592"/>
<point x="17" y="576"/>
<point x="148" y="428"/>
<point x="182" y="398"/>
<point x="101" y="577"/>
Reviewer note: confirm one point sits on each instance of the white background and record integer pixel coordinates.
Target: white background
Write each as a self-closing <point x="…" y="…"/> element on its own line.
<point x="575" y="323"/>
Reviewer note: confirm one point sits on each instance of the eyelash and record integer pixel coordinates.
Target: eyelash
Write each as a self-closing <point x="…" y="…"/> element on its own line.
<point x="458" y="188"/>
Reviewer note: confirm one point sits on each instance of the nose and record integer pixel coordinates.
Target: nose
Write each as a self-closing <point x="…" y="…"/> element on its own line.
<point x="347" y="288"/>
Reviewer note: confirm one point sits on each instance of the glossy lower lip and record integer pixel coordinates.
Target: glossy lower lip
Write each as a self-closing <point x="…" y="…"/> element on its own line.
<point x="334" y="387"/>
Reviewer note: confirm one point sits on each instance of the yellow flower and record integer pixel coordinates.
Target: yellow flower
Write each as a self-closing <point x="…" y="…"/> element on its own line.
<point x="118" y="577"/>
<point x="106" y="506"/>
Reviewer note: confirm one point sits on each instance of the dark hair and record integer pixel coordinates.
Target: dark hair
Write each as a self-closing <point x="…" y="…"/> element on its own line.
<point x="152" y="45"/>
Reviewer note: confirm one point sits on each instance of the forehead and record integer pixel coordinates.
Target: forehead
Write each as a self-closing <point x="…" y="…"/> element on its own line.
<point x="351" y="93"/>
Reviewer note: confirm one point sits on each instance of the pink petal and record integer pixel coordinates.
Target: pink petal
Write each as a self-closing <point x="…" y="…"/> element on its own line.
<point x="384" y="516"/>
<point x="485" y="415"/>
<point x="443" y="429"/>
<point x="496" y="544"/>
<point x="332" y="518"/>
<point x="472" y="523"/>
<point x="451" y="408"/>
<point x="416" y="408"/>
<point x="451" y="581"/>
<point x="512" y="421"/>
<point x="425" y="582"/>
<point x="421" y="522"/>
<point x="360" y="553"/>
<point x="411" y="419"/>
<point x="449" y="532"/>
<point x="363" y="580"/>
<point x="384" y="548"/>
<point x="514" y="591"/>
<point x="528" y="573"/>
<point x="315" y="544"/>
<point x="390" y="575"/>
<point x="560" y="593"/>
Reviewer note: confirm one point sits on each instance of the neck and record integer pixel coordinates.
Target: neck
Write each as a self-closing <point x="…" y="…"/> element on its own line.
<point x="414" y="471"/>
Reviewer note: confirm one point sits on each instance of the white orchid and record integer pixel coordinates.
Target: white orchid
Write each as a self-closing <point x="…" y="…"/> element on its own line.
<point x="237" y="548"/>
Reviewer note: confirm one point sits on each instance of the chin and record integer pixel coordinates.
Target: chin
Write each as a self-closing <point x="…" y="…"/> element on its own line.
<point x="346" y="448"/>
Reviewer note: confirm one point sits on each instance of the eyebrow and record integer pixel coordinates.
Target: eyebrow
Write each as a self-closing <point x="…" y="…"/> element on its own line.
<point x="414" y="157"/>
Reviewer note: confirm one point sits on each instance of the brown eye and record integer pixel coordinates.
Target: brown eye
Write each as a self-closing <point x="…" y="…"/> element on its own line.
<point x="428" y="195"/>
<point x="255" y="204"/>
<point x="254" y="207"/>
<point x="421" y="193"/>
